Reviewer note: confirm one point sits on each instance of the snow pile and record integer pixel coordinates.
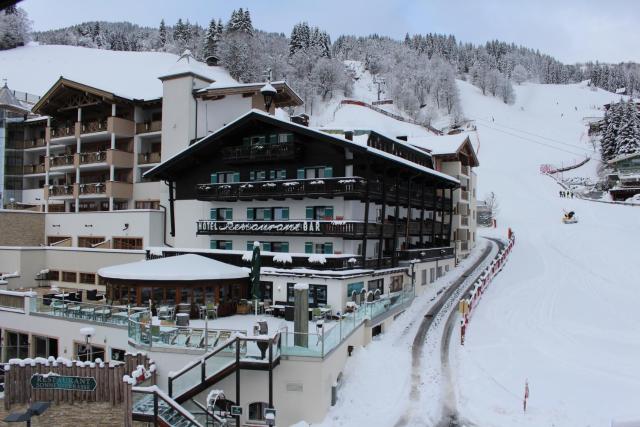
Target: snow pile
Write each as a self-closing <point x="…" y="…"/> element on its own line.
<point x="283" y="258"/>
<point x="301" y="286"/>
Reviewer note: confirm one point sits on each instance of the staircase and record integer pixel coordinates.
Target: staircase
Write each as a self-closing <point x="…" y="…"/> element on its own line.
<point x="153" y="406"/>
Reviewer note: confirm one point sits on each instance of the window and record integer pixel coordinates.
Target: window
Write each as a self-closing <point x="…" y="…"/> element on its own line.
<point x="318" y="248"/>
<point x="88" y="278"/>
<point x="53" y="275"/>
<point x="424" y="277"/>
<point x="89" y="241"/>
<point x="432" y="275"/>
<point x="256" y="410"/>
<point x="319" y="212"/>
<point x="117" y="355"/>
<point x="268" y="214"/>
<point x="221" y="214"/>
<point x="372" y="285"/>
<point x="266" y="290"/>
<point x="446" y="267"/>
<point x="117" y="206"/>
<point x="285" y="137"/>
<point x="354" y="287"/>
<point x="221" y="244"/>
<point x="127" y="243"/>
<point x="69" y="276"/>
<point x="225" y="177"/>
<point x="89" y="352"/>
<point x="55" y="239"/>
<point x="45" y="346"/>
<point x="147" y="204"/>
<point x="396" y="284"/>
<point x="272" y="174"/>
<point x="17" y="345"/>
<point x="270" y="246"/>
<point x="317" y="294"/>
<point x="439" y="271"/>
<point x="315" y="172"/>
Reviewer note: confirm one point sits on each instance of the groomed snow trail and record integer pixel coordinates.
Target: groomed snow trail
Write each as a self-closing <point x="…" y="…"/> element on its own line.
<point x="563" y="313"/>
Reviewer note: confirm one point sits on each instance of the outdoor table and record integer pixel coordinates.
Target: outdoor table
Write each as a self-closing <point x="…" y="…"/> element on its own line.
<point x="278" y="310"/>
<point x="326" y="311"/>
<point x="121" y="315"/>
<point x="182" y="319"/>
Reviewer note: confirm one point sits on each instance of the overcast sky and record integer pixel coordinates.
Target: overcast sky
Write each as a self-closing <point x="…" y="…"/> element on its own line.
<point x="570" y="30"/>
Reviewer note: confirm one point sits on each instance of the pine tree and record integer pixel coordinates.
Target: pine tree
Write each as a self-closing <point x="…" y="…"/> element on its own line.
<point x="163" y="34"/>
<point x="611" y="125"/>
<point x="211" y="39"/>
<point x="628" y="136"/>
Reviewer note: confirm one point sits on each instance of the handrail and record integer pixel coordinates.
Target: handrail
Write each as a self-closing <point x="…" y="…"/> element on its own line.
<point x="158" y="394"/>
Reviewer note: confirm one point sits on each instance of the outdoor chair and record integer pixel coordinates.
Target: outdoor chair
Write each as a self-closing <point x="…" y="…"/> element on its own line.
<point x="317" y="314"/>
<point x="212" y="311"/>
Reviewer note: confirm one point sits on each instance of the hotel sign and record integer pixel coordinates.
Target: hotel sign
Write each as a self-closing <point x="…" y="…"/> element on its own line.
<point x="60" y="382"/>
<point x="257" y="227"/>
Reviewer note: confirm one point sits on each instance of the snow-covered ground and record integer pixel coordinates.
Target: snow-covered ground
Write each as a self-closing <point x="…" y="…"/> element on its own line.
<point x="563" y="314"/>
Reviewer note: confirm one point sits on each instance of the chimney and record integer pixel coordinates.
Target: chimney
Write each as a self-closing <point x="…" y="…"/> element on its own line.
<point x="348" y="134"/>
<point x="212" y="61"/>
<point x="300" y="119"/>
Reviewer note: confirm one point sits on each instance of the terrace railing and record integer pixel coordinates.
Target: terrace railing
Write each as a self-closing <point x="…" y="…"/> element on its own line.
<point x="146" y="127"/>
<point x="110" y="315"/>
<point x="93" y="157"/>
<point x="93" y="188"/>
<point x="147" y="158"/>
<point x="151" y="405"/>
<point x="264" y="152"/>
<point x="63" y="160"/>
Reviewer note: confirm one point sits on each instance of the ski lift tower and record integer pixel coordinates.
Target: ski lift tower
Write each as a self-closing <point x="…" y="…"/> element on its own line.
<point x="379" y="81"/>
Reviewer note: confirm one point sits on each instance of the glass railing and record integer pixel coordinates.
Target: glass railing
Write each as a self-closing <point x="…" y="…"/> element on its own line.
<point x="85" y="311"/>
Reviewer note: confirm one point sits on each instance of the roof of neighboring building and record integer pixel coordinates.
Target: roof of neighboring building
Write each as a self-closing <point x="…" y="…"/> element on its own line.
<point x="286" y="96"/>
<point x="624" y="157"/>
<point x="175" y="268"/>
<point x="445" y="145"/>
<point x="188" y="65"/>
<point x="356" y="144"/>
<point x="8" y="101"/>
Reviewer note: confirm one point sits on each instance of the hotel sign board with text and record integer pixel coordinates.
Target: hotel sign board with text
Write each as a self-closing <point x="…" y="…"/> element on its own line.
<point x="60" y="382"/>
<point x="215" y="227"/>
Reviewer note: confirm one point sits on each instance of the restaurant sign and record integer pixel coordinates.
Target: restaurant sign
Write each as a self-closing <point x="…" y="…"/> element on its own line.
<point x="59" y="382"/>
<point x="214" y="227"/>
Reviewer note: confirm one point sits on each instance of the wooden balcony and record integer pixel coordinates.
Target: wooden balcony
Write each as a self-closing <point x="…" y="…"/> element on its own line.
<point x="92" y="188"/>
<point x="63" y="131"/>
<point x="121" y="127"/>
<point x="352" y="188"/>
<point x="33" y="169"/>
<point x="92" y="157"/>
<point x="93" y="126"/>
<point x="35" y="143"/>
<point x="119" y="190"/>
<point x="148" y="158"/>
<point x="65" y="160"/>
<point x="261" y="153"/>
<point x="59" y="191"/>
<point x="147" y="127"/>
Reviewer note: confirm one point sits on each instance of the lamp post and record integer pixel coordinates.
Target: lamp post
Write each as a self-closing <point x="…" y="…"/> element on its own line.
<point x="269" y="93"/>
<point x="87" y="333"/>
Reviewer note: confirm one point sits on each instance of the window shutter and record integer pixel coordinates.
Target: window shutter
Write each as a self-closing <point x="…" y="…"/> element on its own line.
<point x="328" y="248"/>
<point x="309" y="212"/>
<point x="228" y="214"/>
<point x="213" y="214"/>
<point x="252" y="175"/>
<point x="285" y="213"/>
<point x="250" y="215"/>
<point x="301" y="173"/>
<point x="267" y="214"/>
<point x="289" y="137"/>
<point x="328" y="172"/>
<point x="249" y="245"/>
<point x="285" y="246"/>
<point x="214" y="178"/>
<point x="246" y="141"/>
<point x="308" y="247"/>
<point x="212" y="244"/>
<point x="273" y="139"/>
<point x="328" y="212"/>
<point x="228" y="245"/>
<point x="282" y="174"/>
<point x="266" y="246"/>
<point x="236" y="177"/>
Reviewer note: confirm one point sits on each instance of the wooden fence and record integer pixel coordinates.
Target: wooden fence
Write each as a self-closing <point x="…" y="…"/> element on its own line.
<point x="108" y="377"/>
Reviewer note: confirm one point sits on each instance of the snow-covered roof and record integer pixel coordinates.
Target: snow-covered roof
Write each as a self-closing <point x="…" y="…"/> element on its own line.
<point x="439" y="144"/>
<point x="187" y="64"/>
<point x="356" y="142"/>
<point x="175" y="268"/>
<point x="624" y="157"/>
<point x="10" y="102"/>
<point x="132" y="75"/>
<point x="225" y="85"/>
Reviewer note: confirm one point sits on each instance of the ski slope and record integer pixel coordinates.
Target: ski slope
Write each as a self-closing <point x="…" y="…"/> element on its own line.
<point x="563" y="314"/>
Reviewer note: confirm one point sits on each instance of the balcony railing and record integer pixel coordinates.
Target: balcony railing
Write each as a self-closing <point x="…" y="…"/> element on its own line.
<point x="265" y="152"/>
<point x="93" y="157"/>
<point x="29" y="169"/>
<point x="146" y="127"/>
<point x="148" y="158"/>
<point x="35" y="143"/>
<point x="93" y="126"/>
<point x="93" y="188"/>
<point x="424" y="254"/>
<point x="62" y="131"/>
<point x="61" y="190"/>
<point x="348" y="187"/>
<point x="64" y="160"/>
<point x="464" y="195"/>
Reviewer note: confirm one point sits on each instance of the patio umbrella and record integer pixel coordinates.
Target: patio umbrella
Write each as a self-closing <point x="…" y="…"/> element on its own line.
<point x="254" y="276"/>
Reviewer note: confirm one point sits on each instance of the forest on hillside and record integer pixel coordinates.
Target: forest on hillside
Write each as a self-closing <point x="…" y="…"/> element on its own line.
<point x="419" y="72"/>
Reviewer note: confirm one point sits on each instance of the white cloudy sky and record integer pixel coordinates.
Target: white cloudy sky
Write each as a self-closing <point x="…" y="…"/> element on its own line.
<point x="570" y="30"/>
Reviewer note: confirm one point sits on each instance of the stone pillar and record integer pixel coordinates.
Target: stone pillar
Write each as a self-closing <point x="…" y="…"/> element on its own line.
<point x="301" y="314"/>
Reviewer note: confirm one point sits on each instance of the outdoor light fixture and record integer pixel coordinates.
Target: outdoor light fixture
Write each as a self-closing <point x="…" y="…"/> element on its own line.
<point x="87" y="333"/>
<point x="36" y="408"/>
<point x="89" y="225"/>
<point x="269" y="93"/>
<point x="126" y="227"/>
<point x="55" y="225"/>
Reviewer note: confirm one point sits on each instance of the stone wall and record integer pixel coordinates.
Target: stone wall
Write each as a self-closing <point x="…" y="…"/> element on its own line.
<point x="21" y="228"/>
